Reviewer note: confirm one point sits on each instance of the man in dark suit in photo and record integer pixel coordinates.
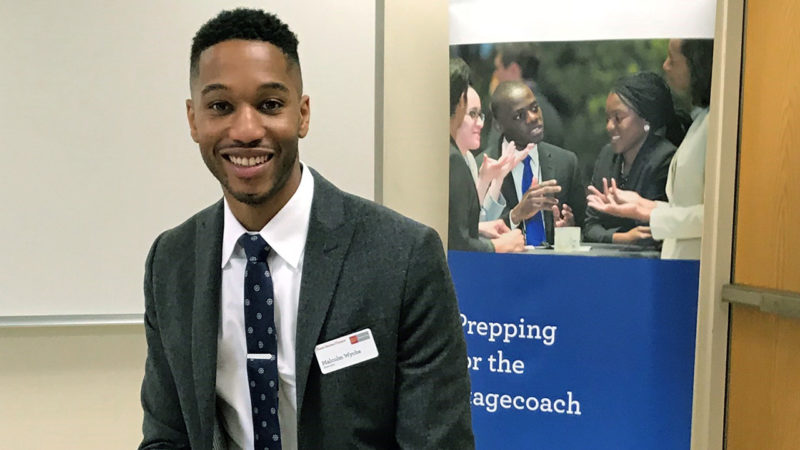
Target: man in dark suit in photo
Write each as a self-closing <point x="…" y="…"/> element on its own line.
<point x="290" y="314"/>
<point x="517" y="61"/>
<point x="545" y="190"/>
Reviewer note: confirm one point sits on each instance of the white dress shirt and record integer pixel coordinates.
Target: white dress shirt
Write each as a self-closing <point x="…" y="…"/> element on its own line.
<point x="679" y="222"/>
<point x="516" y="172"/>
<point x="286" y="235"/>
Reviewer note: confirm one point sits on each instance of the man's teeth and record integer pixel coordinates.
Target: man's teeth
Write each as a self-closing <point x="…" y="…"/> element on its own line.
<point x="249" y="162"/>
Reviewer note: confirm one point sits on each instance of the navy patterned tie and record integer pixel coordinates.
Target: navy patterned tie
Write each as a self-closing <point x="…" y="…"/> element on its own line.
<point x="262" y="343"/>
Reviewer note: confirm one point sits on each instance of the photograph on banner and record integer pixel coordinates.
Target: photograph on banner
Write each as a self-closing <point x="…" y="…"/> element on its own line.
<point x="592" y="148"/>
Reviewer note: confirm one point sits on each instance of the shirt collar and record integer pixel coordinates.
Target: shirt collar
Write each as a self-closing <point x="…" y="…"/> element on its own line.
<point x="286" y="233"/>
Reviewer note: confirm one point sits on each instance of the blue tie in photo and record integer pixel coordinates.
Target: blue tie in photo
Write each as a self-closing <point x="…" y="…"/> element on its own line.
<point x="534" y="227"/>
<point x="262" y="343"/>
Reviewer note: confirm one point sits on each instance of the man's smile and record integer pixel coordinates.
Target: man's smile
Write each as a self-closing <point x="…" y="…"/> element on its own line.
<point x="251" y="161"/>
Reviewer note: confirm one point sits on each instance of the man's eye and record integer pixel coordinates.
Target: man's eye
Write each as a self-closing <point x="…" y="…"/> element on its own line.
<point x="271" y="106"/>
<point x="220" y="107"/>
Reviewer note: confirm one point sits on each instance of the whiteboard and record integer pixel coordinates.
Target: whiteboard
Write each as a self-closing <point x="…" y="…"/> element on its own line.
<point x="96" y="154"/>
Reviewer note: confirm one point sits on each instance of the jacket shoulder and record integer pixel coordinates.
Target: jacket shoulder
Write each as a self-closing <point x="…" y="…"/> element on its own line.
<point x="182" y="236"/>
<point x="365" y="213"/>
<point x="378" y="218"/>
<point x="663" y="149"/>
<point x="557" y="151"/>
<point x="374" y="224"/>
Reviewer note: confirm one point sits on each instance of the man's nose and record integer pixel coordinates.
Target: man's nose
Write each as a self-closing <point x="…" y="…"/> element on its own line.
<point x="609" y="126"/>
<point x="247" y="125"/>
<point x="532" y="116"/>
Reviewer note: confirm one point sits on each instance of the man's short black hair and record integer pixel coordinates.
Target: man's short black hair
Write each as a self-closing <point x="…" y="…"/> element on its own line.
<point x="506" y="91"/>
<point x="247" y="24"/>
<point x="699" y="54"/>
<point x="459" y="82"/>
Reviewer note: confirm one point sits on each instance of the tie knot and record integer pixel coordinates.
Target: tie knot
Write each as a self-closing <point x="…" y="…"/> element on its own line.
<point x="527" y="159"/>
<point x="255" y="247"/>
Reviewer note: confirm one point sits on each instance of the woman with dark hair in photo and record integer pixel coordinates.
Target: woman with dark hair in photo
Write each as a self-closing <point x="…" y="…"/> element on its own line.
<point x="464" y="232"/>
<point x="679" y="221"/>
<point x="644" y="131"/>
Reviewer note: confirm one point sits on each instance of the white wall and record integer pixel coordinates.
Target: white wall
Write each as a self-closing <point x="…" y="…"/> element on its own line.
<point x="96" y="151"/>
<point x="415" y="173"/>
<point x="71" y="388"/>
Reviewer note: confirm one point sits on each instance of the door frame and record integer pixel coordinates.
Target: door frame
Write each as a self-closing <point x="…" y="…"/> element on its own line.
<point x="711" y="349"/>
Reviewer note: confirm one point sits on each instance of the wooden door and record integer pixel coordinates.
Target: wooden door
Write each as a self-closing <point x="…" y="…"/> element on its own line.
<point x="763" y="399"/>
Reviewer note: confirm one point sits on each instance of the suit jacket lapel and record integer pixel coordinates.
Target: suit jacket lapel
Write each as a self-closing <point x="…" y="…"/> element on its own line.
<point x="545" y="161"/>
<point x="329" y="237"/>
<point x="509" y="191"/>
<point x="205" y="313"/>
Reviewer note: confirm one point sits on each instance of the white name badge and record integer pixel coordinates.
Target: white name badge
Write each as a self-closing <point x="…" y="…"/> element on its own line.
<point x="345" y="351"/>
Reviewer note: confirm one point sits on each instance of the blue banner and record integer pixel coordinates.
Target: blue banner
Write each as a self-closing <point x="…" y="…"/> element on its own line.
<point x="578" y="352"/>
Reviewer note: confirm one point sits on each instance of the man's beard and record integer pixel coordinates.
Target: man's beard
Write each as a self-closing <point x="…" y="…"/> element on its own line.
<point x="283" y="173"/>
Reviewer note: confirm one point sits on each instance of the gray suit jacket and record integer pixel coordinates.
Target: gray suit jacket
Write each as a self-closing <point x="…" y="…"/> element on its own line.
<point x="364" y="267"/>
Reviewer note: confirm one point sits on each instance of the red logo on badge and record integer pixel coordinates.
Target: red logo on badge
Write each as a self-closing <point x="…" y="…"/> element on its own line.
<point x="353" y="339"/>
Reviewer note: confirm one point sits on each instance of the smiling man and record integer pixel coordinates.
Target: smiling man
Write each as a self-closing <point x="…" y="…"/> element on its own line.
<point x="290" y="314"/>
<point x="545" y="189"/>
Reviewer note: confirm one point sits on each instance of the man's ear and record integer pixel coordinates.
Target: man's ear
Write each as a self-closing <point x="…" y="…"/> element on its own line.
<point x="190" y="118"/>
<point x="305" y="116"/>
<point x="496" y="120"/>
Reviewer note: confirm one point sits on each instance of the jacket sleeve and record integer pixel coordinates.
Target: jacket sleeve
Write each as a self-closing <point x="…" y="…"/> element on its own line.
<point x="576" y="198"/>
<point x="492" y="209"/>
<point x="458" y="229"/>
<point x="677" y="222"/>
<point x="433" y="388"/>
<point x="163" y="426"/>
<point x="683" y="217"/>
<point x="593" y="228"/>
